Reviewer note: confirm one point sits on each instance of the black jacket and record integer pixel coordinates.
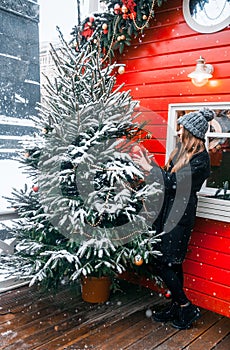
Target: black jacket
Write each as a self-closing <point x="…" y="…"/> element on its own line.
<point x="177" y="214"/>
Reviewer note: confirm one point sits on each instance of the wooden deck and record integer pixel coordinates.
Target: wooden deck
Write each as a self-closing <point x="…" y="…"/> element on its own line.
<point x="30" y="320"/>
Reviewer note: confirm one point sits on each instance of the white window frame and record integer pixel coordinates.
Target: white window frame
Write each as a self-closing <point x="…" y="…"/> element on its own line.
<point x="209" y="208"/>
<point x="205" y="28"/>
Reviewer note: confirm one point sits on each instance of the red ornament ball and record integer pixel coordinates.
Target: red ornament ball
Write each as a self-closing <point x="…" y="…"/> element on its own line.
<point x="125" y="16"/>
<point x="168" y="294"/>
<point x="35" y="188"/>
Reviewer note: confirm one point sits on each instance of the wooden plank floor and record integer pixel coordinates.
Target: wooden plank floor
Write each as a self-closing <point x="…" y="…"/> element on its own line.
<point x="30" y="320"/>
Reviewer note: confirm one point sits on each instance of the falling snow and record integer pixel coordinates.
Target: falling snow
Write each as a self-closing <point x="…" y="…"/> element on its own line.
<point x="10" y="56"/>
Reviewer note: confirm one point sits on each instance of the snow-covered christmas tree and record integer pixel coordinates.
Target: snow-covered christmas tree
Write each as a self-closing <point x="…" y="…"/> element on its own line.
<point x="89" y="211"/>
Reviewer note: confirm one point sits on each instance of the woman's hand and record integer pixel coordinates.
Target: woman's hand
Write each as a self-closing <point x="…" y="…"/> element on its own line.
<point x="143" y="160"/>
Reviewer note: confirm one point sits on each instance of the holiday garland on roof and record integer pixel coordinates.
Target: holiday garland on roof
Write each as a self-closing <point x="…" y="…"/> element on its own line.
<point x="114" y="29"/>
<point x="124" y="20"/>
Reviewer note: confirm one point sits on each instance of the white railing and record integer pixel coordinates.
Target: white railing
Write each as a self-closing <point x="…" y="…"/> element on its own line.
<point x="8" y="246"/>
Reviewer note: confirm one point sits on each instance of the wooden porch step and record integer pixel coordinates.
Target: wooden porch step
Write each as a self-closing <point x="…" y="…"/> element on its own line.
<point x="30" y="320"/>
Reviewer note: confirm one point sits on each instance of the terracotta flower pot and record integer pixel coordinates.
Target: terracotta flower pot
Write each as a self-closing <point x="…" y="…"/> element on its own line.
<point x="95" y="289"/>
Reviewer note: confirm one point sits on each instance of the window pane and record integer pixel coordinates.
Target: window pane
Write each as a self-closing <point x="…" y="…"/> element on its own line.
<point x="221" y="122"/>
<point x="219" y="147"/>
<point x="219" y="151"/>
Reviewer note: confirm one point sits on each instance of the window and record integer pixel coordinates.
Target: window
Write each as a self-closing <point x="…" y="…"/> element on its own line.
<point x="214" y="197"/>
<point x="219" y="149"/>
<point x="207" y="16"/>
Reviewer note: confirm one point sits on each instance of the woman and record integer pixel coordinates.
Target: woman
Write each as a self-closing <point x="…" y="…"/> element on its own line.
<point x="183" y="175"/>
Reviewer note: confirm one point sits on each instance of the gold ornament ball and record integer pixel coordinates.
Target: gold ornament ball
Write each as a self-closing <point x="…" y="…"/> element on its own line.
<point x="122" y="37"/>
<point x="138" y="260"/>
<point x="104" y="26"/>
<point x="144" y="17"/>
<point x="44" y="131"/>
<point x="124" y="9"/>
<point x="121" y="70"/>
<point x="148" y="136"/>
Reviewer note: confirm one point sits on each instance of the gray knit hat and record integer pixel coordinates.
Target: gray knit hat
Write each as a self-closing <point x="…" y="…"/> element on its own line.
<point x="197" y="122"/>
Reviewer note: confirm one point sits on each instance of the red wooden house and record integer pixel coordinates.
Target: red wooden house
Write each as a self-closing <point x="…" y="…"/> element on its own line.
<point x="157" y="65"/>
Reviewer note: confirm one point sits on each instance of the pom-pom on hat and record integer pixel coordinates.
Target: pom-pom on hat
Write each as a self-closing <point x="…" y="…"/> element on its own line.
<point x="197" y="122"/>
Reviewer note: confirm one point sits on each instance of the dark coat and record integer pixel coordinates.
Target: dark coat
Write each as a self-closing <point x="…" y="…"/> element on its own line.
<point x="177" y="215"/>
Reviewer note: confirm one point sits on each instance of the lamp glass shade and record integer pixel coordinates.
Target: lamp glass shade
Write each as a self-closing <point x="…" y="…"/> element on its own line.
<point x="202" y="73"/>
<point x="199" y="82"/>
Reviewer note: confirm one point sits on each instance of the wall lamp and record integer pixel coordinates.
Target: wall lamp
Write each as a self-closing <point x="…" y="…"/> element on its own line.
<point x="202" y="73"/>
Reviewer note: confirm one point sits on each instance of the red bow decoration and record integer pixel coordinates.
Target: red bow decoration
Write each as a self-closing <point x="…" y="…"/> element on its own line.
<point x="87" y="31"/>
<point x="130" y="4"/>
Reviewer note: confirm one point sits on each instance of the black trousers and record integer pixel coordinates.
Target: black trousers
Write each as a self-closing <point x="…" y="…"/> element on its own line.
<point x="172" y="276"/>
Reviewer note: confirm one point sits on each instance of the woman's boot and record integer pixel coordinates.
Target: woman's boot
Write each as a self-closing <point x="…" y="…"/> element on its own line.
<point x="186" y="316"/>
<point x="167" y="314"/>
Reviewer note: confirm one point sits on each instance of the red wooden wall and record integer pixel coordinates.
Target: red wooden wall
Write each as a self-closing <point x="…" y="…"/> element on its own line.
<point x="158" y="62"/>
<point x="157" y="65"/>
<point x="207" y="266"/>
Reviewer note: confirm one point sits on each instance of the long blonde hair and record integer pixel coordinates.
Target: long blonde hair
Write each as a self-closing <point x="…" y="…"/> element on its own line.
<point x="190" y="145"/>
